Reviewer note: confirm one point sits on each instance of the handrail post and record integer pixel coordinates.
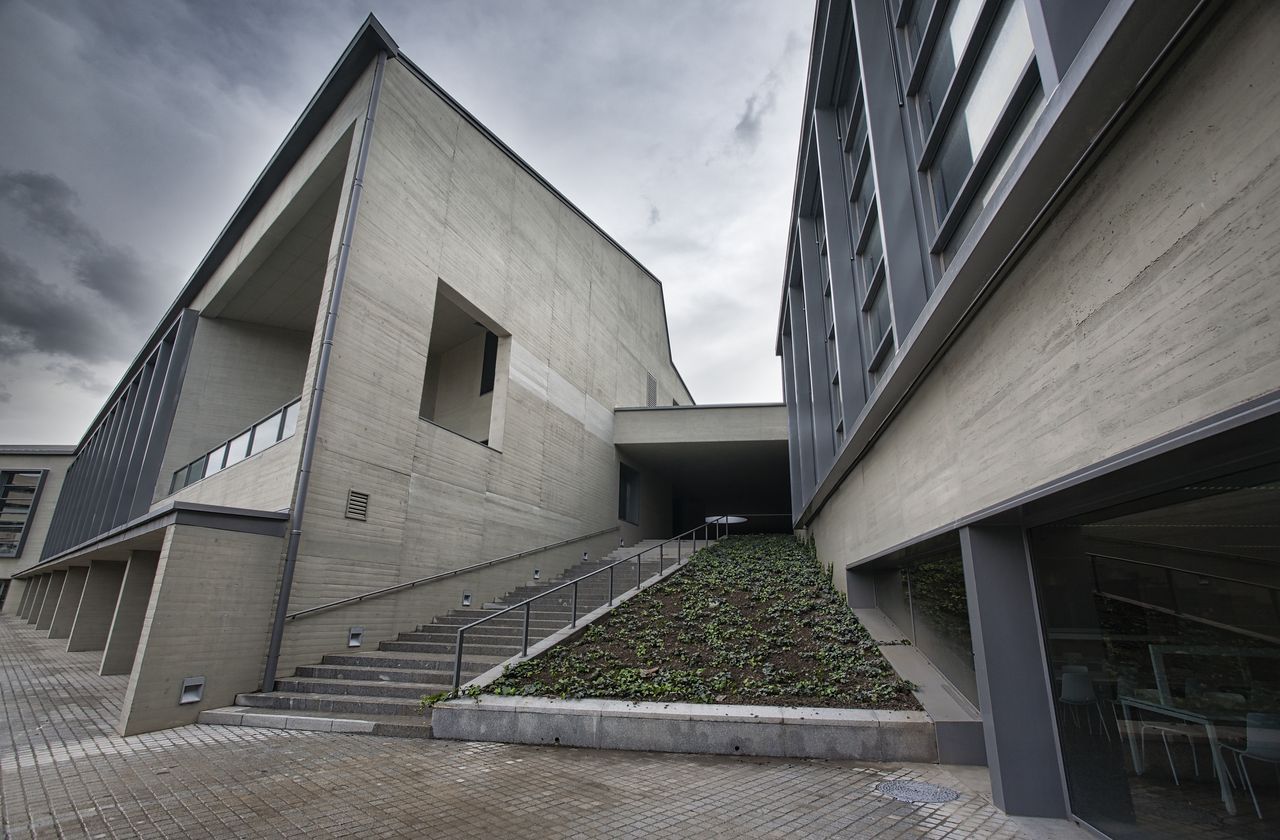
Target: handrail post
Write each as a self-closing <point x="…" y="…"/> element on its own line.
<point x="662" y="556"/>
<point x="457" y="662"/>
<point x="527" y="605"/>
<point x="639" y="565"/>
<point x="573" y="605"/>
<point x="611" y="586"/>
<point x="679" y="552"/>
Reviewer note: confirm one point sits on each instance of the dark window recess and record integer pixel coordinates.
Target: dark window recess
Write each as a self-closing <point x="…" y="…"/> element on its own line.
<point x="628" y="494"/>
<point x="490" y="362"/>
<point x="19" y="491"/>
<point x="357" y="505"/>
<point x="651" y="391"/>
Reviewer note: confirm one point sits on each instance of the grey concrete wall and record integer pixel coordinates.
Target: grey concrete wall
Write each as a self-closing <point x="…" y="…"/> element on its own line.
<point x="97" y="606"/>
<point x="130" y="613"/>
<point x="38" y="524"/>
<point x="64" y="614"/>
<point x="263" y="481"/>
<point x="701" y="424"/>
<point x="237" y="374"/>
<point x="586" y="324"/>
<point x="1148" y="303"/>
<point x="210" y="616"/>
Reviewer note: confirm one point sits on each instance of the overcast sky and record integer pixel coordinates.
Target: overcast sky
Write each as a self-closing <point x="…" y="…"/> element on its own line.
<point x="133" y="129"/>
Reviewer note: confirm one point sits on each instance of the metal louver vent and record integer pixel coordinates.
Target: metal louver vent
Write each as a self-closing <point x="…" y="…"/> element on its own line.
<point x="357" y="505"/>
<point x="651" y="391"/>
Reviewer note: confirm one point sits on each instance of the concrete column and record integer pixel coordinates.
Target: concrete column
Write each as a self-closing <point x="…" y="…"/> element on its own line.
<point x="92" y="623"/>
<point x="64" y="614"/>
<point x="1014" y="692"/>
<point x="45" y="618"/>
<point x="33" y="611"/>
<point x="131" y="609"/>
<point x="19" y="593"/>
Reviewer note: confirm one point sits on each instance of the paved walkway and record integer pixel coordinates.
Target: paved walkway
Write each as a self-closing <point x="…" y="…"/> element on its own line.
<point x="64" y="773"/>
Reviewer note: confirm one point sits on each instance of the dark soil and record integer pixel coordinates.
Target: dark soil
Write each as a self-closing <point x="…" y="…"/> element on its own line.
<point x="751" y="620"/>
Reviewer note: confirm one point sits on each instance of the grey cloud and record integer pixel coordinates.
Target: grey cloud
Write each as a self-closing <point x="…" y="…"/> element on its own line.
<point x="76" y="374"/>
<point x="758" y="104"/>
<point x="38" y="317"/>
<point x="654" y="215"/>
<point x="5" y="396"/>
<point x="47" y="204"/>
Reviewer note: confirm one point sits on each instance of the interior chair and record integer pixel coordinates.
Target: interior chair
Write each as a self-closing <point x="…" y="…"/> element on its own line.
<point x="1077" y="693"/>
<point x="1262" y="744"/>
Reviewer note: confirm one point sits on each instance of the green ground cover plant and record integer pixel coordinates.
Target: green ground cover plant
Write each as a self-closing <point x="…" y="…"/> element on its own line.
<point x="751" y="620"/>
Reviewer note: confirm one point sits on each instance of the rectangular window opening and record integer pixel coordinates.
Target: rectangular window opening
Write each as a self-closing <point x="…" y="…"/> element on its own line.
<point x="462" y="350"/>
<point x="628" y="494"/>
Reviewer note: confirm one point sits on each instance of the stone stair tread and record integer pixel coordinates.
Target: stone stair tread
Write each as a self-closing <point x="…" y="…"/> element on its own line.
<point x="410" y="726"/>
<point x="427" y="688"/>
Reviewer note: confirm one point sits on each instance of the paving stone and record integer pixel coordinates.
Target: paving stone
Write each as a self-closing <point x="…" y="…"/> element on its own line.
<point x="65" y="773"/>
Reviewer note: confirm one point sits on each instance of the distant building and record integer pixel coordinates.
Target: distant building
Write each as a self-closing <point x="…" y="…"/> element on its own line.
<point x="30" y="479"/>
<point x="1030" y="329"/>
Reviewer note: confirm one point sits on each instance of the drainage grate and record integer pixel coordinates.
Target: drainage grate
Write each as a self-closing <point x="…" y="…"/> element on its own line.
<point x="904" y="791"/>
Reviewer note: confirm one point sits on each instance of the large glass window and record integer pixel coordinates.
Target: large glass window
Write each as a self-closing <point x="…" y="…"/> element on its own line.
<point x="1162" y="626"/>
<point x="997" y="75"/>
<point x="18" y="489"/>
<point x="266" y="433"/>
<point x="957" y="28"/>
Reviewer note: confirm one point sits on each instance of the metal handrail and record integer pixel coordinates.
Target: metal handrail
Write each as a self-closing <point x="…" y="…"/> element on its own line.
<point x="387" y="590"/>
<point x="721" y="527"/>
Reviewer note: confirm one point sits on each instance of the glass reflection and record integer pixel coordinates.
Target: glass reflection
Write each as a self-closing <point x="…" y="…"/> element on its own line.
<point x="1162" y="626"/>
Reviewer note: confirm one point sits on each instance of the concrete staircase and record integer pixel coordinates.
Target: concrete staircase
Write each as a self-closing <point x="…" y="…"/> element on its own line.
<point x="378" y="692"/>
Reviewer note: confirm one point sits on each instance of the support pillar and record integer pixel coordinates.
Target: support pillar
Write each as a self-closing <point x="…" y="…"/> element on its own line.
<point x="33" y="611"/>
<point x="92" y="623"/>
<point x="131" y="610"/>
<point x="1013" y="683"/>
<point x="64" y="614"/>
<point x="18" y="597"/>
<point x="45" y="618"/>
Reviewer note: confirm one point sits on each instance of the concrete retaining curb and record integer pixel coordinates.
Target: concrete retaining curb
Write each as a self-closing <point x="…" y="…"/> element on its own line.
<point x="847" y="734"/>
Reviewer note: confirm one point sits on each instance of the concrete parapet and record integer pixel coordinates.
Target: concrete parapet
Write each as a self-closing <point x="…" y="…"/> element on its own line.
<point x="92" y="623"/>
<point x="844" y="734"/>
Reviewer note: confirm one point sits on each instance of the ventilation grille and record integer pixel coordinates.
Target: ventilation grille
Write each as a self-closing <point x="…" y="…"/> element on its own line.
<point x="651" y="391"/>
<point x="357" y="505"/>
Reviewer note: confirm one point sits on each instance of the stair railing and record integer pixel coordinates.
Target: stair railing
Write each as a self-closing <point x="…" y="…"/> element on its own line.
<point x="387" y="590"/>
<point x="718" y="525"/>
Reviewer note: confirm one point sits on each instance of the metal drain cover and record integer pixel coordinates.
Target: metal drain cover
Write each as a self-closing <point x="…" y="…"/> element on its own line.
<point x="905" y="791"/>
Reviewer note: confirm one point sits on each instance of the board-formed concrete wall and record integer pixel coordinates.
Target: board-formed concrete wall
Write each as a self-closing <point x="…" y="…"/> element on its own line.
<point x="1148" y="303"/>
<point x="442" y="202"/>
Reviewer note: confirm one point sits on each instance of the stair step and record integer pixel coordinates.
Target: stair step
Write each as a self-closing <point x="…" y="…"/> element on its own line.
<point x="413" y="661"/>
<point x="480" y="636"/>
<point x="331" y="703"/>
<point x="475" y="652"/>
<point x="400" y="726"/>
<point x="361" y="688"/>
<point x="366" y="674"/>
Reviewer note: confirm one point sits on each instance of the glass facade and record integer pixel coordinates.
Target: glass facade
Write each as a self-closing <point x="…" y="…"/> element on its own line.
<point x="1162" y="629"/>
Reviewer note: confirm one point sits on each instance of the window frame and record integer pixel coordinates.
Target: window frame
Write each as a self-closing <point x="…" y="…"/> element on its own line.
<point x="41" y="476"/>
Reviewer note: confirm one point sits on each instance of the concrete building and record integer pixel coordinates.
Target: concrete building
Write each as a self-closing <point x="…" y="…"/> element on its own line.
<point x="400" y="359"/>
<point x="30" y="480"/>
<point x="1032" y="354"/>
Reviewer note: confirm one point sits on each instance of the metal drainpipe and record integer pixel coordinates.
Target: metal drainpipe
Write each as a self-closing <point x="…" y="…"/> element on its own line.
<point x="317" y="388"/>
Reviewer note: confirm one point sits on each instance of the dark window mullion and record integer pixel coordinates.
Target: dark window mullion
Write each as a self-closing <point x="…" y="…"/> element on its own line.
<point x="1009" y="114"/>
<point x="881" y="352"/>
<point x="959" y="83"/>
<point x="874" y="285"/>
<point x="864" y="229"/>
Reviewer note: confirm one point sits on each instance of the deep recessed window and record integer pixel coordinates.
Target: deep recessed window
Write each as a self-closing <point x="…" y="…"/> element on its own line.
<point x="628" y="494"/>
<point x="19" y="490"/>
<point x="464" y="350"/>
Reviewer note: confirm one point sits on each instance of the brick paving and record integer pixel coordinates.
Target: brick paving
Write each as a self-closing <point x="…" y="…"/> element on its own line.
<point x="65" y="773"/>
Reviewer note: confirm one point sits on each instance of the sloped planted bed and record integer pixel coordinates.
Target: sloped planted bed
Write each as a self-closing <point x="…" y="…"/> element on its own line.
<point x="752" y="620"/>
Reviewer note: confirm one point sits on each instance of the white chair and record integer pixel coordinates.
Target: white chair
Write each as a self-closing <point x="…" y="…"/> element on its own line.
<point x="1261" y="743"/>
<point x="1077" y="692"/>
